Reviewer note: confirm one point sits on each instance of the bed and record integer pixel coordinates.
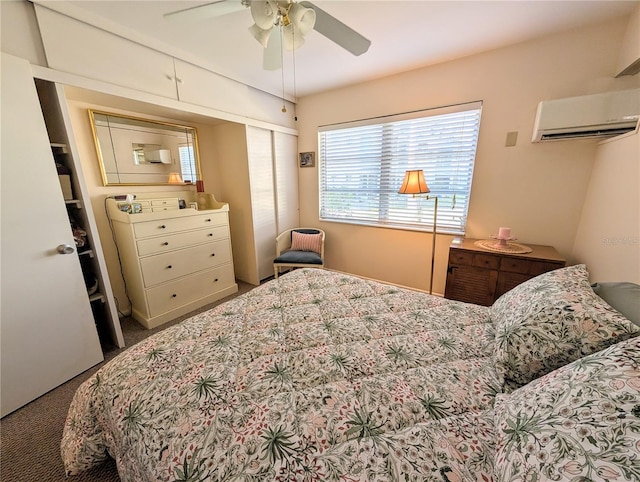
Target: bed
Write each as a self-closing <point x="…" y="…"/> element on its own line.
<point x="322" y="376"/>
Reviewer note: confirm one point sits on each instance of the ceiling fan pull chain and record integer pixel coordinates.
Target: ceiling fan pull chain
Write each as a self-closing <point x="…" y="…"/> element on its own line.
<point x="284" y="107"/>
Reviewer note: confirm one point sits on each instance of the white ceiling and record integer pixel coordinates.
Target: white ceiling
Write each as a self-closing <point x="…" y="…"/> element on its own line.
<point x="404" y="35"/>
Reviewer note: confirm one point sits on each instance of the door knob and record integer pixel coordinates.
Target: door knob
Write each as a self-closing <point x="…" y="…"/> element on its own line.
<point x="65" y="249"/>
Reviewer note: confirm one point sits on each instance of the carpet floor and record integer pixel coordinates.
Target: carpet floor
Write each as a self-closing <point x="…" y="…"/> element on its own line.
<point x="30" y="436"/>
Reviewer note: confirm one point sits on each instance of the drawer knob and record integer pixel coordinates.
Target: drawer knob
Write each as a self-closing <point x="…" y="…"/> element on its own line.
<point x="162" y="226"/>
<point x="169" y="267"/>
<point x="213" y="254"/>
<point x="210" y="234"/>
<point x="165" y="244"/>
<point x="174" y="295"/>
<point x="208" y="220"/>
<point x="215" y="280"/>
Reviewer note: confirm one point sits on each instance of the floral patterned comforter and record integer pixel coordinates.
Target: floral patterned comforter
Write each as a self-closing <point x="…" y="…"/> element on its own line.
<point x="315" y="376"/>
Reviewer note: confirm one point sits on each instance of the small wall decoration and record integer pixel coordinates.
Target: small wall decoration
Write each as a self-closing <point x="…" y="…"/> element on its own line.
<point x="307" y="159"/>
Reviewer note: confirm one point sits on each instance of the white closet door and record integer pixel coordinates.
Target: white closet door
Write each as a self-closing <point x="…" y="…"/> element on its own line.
<point x="263" y="208"/>
<point x="47" y="331"/>
<point x="285" y="149"/>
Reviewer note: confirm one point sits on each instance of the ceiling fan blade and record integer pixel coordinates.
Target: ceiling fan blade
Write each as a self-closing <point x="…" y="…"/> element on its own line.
<point x="272" y="59"/>
<point x="338" y="32"/>
<point x="208" y="10"/>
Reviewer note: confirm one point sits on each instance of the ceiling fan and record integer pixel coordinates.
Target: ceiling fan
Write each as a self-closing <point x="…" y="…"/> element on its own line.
<point x="281" y="23"/>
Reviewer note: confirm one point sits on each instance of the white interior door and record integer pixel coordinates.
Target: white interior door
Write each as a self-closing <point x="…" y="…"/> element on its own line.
<point x="47" y="329"/>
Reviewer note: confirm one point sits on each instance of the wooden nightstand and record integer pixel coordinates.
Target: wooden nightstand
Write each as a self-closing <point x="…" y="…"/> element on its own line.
<point x="476" y="275"/>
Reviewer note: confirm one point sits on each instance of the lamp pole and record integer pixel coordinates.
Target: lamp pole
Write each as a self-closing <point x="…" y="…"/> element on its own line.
<point x="415" y="185"/>
<point x="433" y="243"/>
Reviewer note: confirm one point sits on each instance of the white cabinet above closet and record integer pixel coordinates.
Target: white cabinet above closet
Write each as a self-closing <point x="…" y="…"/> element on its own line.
<point x="79" y="48"/>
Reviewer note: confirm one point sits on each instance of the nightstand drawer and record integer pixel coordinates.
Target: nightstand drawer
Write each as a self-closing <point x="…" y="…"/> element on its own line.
<point x="461" y="258"/>
<point x="515" y="265"/>
<point x="538" y="267"/>
<point x="174" y="264"/>
<point x="486" y="261"/>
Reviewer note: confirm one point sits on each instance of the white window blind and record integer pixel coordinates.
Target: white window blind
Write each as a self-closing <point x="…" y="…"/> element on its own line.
<point x="362" y="165"/>
<point x="187" y="163"/>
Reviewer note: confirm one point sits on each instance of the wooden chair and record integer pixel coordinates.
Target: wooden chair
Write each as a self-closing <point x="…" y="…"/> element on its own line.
<point x="310" y="254"/>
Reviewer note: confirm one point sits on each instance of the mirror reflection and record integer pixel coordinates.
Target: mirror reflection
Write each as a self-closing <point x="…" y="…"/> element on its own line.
<point x="141" y="151"/>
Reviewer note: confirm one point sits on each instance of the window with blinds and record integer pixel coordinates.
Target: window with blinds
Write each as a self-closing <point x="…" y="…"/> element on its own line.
<point x="187" y="163"/>
<point x="362" y="165"/>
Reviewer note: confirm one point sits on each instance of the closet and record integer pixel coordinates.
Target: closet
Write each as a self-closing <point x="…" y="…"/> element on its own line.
<point x="48" y="332"/>
<point x="81" y="218"/>
<point x="259" y="178"/>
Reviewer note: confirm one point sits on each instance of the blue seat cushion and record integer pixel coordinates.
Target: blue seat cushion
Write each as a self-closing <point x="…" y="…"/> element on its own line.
<point x="299" y="257"/>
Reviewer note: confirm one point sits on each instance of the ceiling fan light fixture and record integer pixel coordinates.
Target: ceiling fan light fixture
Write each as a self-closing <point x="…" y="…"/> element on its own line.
<point x="260" y="34"/>
<point x="292" y="37"/>
<point x="264" y="13"/>
<point x="303" y="18"/>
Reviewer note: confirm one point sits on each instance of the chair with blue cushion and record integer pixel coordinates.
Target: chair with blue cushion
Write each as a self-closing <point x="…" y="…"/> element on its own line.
<point x="298" y="248"/>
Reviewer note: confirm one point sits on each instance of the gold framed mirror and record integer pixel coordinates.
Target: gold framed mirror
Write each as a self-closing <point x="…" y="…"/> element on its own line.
<point x="136" y="151"/>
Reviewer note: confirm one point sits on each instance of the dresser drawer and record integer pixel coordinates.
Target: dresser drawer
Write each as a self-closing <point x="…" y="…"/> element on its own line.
<point x="164" y="208"/>
<point x="170" y="296"/>
<point x="174" y="264"/>
<point x="168" y="202"/>
<point x="162" y="244"/>
<point x="174" y="225"/>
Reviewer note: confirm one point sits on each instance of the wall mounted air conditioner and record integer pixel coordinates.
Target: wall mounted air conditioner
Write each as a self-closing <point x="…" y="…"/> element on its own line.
<point x="158" y="156"/>
<point x="597" y="115"/>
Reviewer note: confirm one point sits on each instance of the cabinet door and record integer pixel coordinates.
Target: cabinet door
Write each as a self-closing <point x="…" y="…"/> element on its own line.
<point x="263" y="209"/>
<point x="47" y="334"/>
<point x="471" y="284"/>
<point x="202" y="87"/>
<point x="79" y="48"/>
<point x="507" y="281"/>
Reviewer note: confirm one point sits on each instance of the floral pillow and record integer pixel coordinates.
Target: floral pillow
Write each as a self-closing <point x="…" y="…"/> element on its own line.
<point x="578" y="423"/>
<point x="552" y="320"/>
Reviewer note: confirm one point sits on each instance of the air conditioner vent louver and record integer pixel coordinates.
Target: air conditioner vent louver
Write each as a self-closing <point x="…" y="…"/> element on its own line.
<point x="591" y="133"/>
<point x="597" y="115"/>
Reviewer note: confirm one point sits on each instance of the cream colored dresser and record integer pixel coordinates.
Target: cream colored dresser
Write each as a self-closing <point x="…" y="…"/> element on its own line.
<point x="174" y="260"/>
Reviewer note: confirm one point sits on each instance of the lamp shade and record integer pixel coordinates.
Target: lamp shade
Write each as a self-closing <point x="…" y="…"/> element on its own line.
<point x="264" y="13"/>
<point x="260" y="34"/>
<point x="298" y="23"/>
<point x="303" y="18"/>
<point x="174" y="178"/>
<point x="414" y="183"/>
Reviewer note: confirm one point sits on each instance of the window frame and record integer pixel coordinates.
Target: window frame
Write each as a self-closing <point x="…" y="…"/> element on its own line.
<point x="385" y="160"/>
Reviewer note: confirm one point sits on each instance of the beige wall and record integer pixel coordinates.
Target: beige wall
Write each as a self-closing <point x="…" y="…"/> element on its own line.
<point x="536" y="189"/>
<point x="608" y="237"/>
